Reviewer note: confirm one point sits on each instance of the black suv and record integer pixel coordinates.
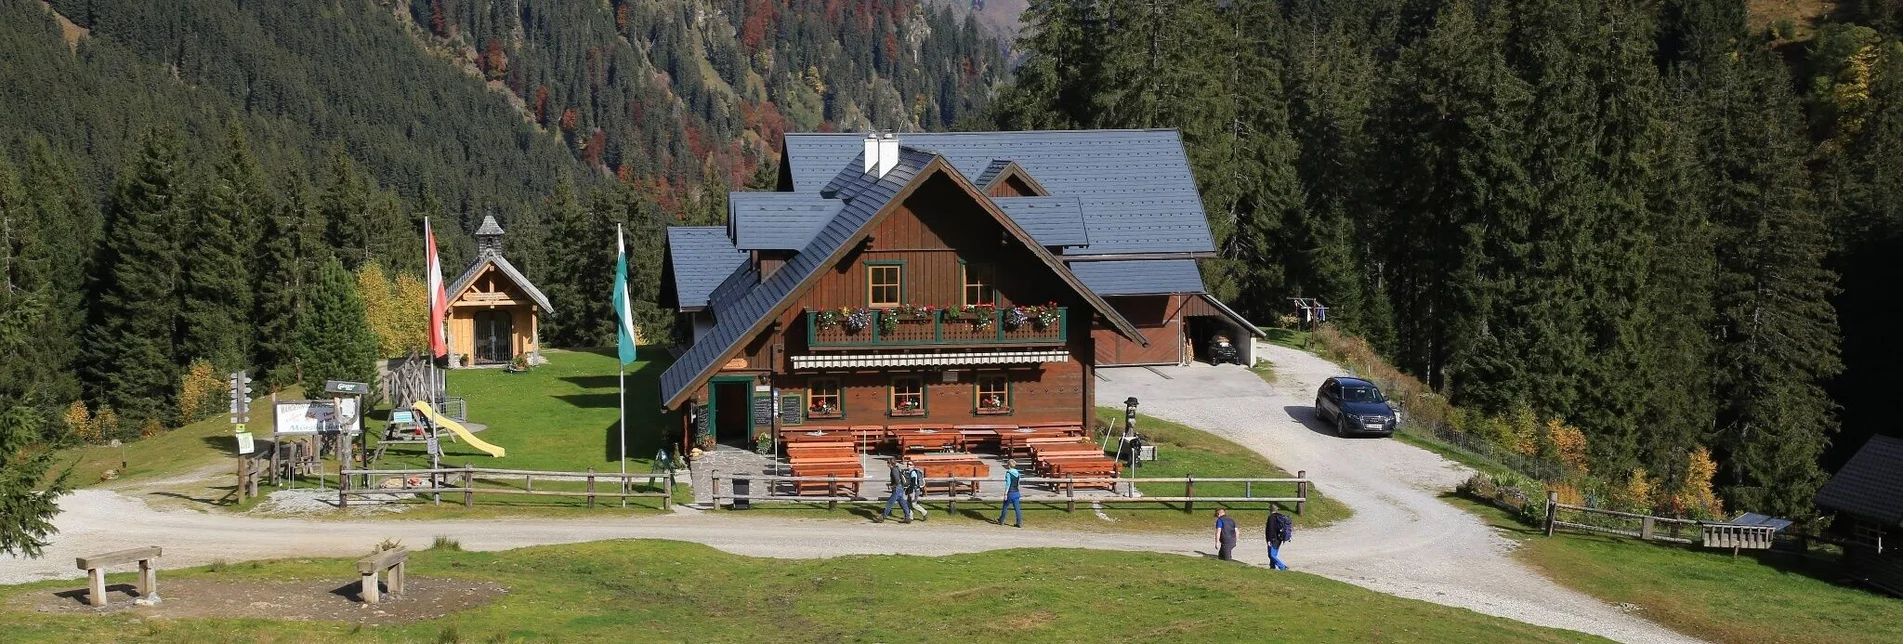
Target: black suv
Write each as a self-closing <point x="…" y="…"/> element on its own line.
<point x="1355" y="406"/>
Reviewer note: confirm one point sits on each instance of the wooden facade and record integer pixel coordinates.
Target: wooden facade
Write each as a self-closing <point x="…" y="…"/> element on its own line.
<point x="493" y="320"/>
<point x="949" y="252"/>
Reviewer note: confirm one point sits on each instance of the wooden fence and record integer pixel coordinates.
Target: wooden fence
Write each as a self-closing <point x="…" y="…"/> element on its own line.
<point x="1061" y="490"/>
<point x="1654" y="528"/>
<point x="614" y="485"/>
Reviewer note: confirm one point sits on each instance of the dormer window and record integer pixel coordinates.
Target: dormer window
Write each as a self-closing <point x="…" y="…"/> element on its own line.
<point x="883" y="284"/>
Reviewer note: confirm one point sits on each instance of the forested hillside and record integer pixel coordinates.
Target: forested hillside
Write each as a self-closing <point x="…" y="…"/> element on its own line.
<point x="1629" y="217"/>
<point x="187" y="187"/>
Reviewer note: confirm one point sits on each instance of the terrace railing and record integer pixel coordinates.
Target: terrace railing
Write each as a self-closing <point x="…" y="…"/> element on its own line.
<point x="937" y="328"/>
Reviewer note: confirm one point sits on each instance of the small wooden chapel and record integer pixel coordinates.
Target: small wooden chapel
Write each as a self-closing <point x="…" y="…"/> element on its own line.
<point x="494" y="312"/>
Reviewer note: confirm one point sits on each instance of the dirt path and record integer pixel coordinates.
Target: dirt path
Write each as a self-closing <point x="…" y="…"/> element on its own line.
<point x="1403" y="540"/>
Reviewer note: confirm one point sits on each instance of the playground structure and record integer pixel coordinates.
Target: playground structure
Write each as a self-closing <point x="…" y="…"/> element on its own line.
<point x="435" y="421"/>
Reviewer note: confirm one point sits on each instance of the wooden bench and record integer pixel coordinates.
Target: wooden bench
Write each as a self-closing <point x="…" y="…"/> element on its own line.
<point x="868" y="437"/>
<point x="1047" y="463"/>
<point x="807" y="451"/>
<point x="845" y="469"/>
<point x="976" y="436"/>
<point x="368" y="567"/>
<point x="967" y="469"/>
<point x="1084" y="466"/>
<point x="95" y="567"/>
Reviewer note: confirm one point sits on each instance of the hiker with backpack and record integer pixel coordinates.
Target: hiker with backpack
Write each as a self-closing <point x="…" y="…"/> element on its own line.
<point x="1279" y="530"/>
<point x="1011" y="500"/>
<point x="897" y="480"/>
<point x="915" y="487"/>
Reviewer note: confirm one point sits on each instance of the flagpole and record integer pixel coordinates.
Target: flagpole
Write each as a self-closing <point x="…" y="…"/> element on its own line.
<point x="621" y="385"/>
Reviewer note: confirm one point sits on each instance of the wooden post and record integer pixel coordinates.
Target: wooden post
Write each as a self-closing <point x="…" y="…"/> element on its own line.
<point x="1070" y="494"/>
<point x="832" y="489"/>
<point x="1645" y="528"/>
<point x="469" y="493"/>
<point x="1248" y="489"/>
<point x="951" y="496"/>
<point x="1301" y="491"/>
<point x="241" y="473"/>
<point x="667" y="490"/>
<point x="95" y="587"/>
<point x="368" y="583"/>
<point x="1189" y="492"/>
<point x="397" y="576"/>
<point x="148" y="579"/>
<point x="591" y="488"/>
<point x="1552" y="510"/>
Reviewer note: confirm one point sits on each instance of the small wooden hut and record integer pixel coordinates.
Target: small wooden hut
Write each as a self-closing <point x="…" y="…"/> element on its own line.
<point x="494" y="312"/>
<point x="1867" y="495"/>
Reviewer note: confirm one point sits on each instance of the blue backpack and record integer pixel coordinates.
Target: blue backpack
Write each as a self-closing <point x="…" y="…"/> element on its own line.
<point x="1281" y="529"/>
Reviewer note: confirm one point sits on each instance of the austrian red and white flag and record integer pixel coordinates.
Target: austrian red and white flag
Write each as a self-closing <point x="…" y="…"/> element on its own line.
<point x="438" y="298"/>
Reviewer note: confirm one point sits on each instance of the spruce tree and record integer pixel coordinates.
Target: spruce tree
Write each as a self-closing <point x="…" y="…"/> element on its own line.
<point x="218" y="304"/>
<point x="132" y="338"/>
<point x="334" y="340"/>
<point x="1448" y="124"/>
<point x="285" y="249"/>
<point x="29" y="490"/>
<point x="66" y="219"/>
<point x="1777" y="332"/>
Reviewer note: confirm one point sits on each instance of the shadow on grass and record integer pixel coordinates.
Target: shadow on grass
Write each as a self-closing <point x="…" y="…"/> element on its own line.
<point x="79" y="595"/>
<point x="594" y="382"/>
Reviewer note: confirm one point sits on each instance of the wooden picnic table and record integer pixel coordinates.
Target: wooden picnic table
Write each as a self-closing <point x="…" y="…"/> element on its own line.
<point x="1018" y="440"/>
<point x="796" y="437"/>
<point x="966" y="468"/>
<point x="868" y="437"/>
<point x="927" y="439"/>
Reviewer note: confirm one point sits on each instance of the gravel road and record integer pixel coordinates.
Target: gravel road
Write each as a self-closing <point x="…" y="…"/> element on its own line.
<point x="1403" y="540"/>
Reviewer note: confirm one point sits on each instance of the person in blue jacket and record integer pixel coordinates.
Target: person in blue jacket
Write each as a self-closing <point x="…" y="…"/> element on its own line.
<point x="1011" y="501"/>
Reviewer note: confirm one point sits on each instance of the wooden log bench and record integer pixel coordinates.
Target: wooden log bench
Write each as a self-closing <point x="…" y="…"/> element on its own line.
<point x="369" y="567"/>
<point x="95" y="567"/>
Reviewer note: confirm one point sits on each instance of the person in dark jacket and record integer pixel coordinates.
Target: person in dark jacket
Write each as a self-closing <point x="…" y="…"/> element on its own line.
<point x="1225" y="535"/>
<point x="1279" y="530"/>
<point x="898" y="480"/>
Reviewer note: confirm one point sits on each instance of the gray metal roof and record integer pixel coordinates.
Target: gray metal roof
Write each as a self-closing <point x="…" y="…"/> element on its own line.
<point x="1052" y="221"/>
<point x="991" y="172"/>
<point x="741" y="311"/>
<point x="1870" y="486"/>
<point x="734" y="321"/>
<point x="776" y="220"/>
<point x="1134" y="186"/>
<point x="700" y="256"/>
<point x="1139" y="276"/>
<point x="487" y="257"/>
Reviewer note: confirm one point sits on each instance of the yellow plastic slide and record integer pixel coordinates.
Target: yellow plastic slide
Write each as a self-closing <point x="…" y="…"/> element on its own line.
<point x="450" y="424"/>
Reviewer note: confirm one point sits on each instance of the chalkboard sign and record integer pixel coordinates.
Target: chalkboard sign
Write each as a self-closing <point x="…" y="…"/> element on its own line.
<point x="790" y="407"/>
<point x="700" y="421"/>
<point x="762" y="411"/>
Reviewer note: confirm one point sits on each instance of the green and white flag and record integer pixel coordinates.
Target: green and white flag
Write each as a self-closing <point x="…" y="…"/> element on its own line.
<point x="624" y="316"/>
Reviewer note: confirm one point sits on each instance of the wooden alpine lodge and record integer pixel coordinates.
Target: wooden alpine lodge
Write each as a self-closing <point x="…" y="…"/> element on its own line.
<point x="941" y="285"/>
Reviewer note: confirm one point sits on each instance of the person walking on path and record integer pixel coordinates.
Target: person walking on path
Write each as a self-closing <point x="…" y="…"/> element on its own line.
<point x="897" y="479"/>
<point x="1225" y="535"/>
<point x="1279" y="531"/>
<point x="915" y="488"/>
<point x="1011" y="500"/>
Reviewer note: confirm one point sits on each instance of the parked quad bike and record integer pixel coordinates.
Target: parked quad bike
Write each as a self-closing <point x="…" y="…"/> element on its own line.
<point x="1221" y="351"/>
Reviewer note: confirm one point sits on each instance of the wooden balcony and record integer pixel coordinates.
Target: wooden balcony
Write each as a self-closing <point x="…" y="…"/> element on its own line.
<point x="936" y="329"/>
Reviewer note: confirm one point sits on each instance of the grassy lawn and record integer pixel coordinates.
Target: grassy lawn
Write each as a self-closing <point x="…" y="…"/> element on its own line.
<point x="1264" y="369"/>
<point x="561" y="416"/>
<point x="1768" y="597"/>
<point x="192" y="447"/>
<point x="1181" y="451"/>
<point x="669" y="591"/>
<point x="1291" y="338"/>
